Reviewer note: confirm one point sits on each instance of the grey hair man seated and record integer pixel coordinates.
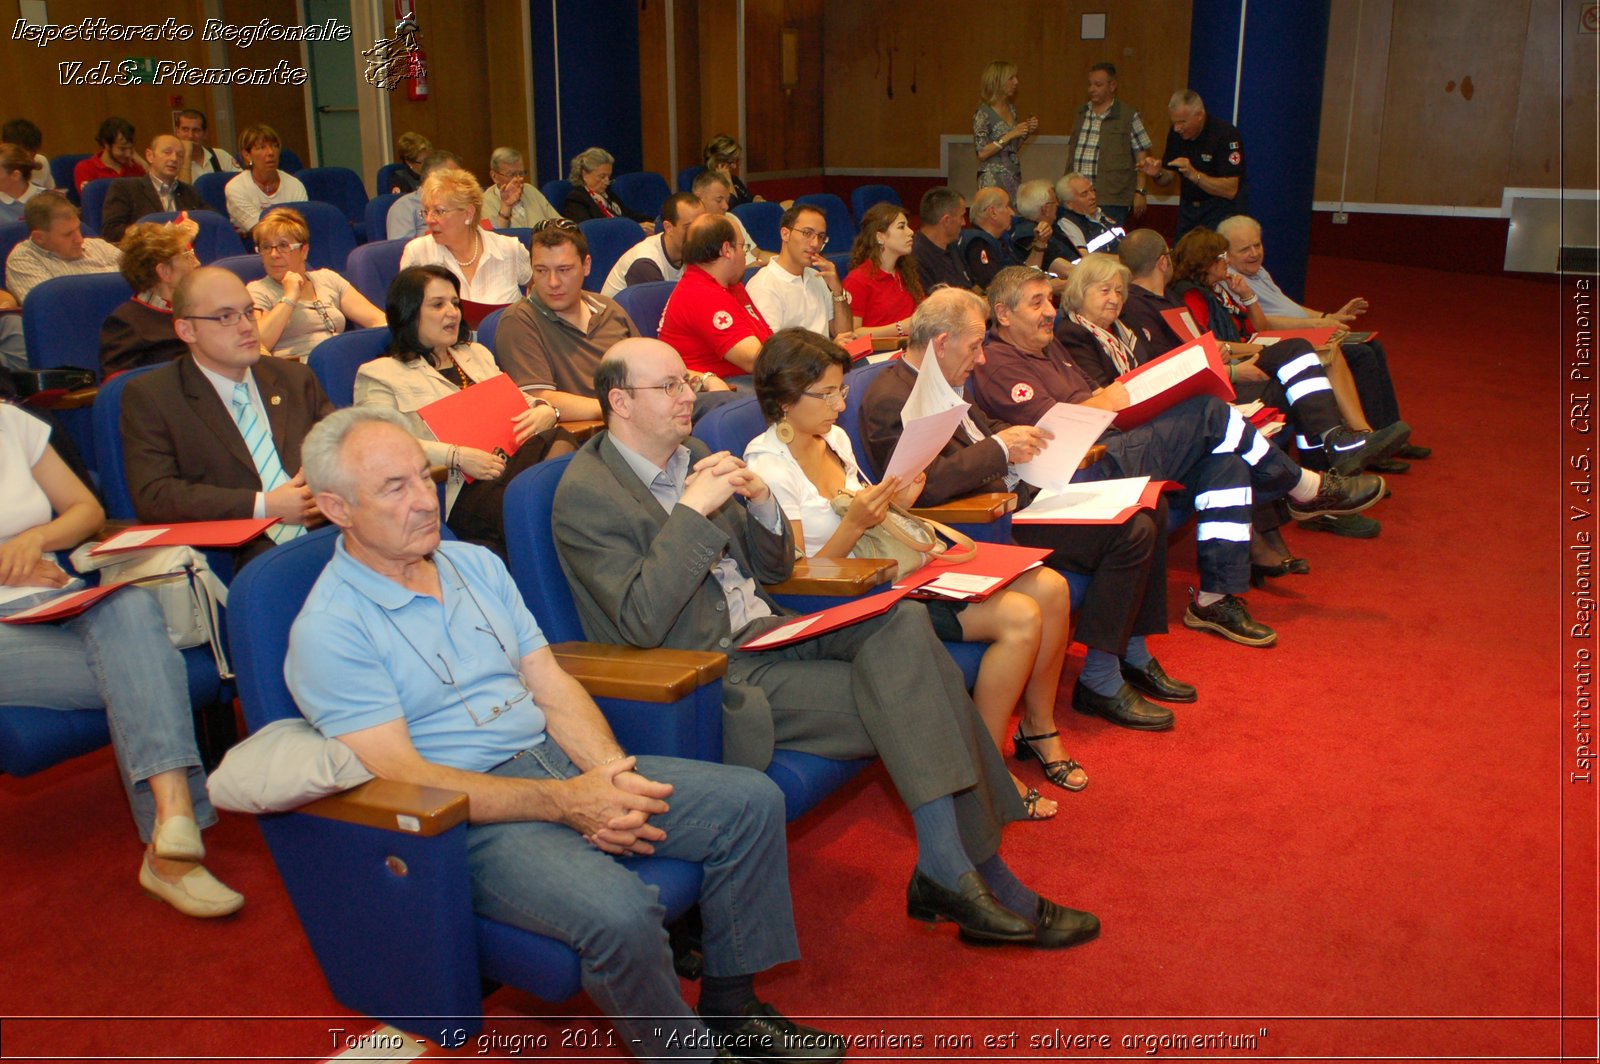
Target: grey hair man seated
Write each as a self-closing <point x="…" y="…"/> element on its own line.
<point x="420" y="656"/>
<point x="666" y="544"/>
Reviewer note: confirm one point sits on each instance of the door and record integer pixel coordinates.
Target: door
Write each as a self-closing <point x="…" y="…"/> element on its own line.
<point x="333" y="89"/>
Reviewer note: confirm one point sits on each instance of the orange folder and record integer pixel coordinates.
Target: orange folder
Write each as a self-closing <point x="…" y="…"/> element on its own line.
<point x="858" y="348"/>
<point x="63" y="607"/>
<point x="234" y="533"/>
<point x="478" y="415"/>
<point x="812" y="625"/>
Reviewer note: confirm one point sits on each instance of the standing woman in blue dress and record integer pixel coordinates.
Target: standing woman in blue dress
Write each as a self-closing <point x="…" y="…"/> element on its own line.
<point x="996" y="134"/>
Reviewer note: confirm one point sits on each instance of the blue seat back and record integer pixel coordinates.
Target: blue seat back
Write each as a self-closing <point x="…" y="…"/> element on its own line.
<point x="487" y="328"/>
<point x="377" y="215"/>
<point x="263" y="602"/>
<point x="642" y="193"/>
<point x="94" y="203"/>
<point x="246" y="267"/>
<point x="213" y="188"/>
<point x="372" y="268"/>
<point x="216" y="239"/>
<point x="61" y="319"/>
<point x="556" y="192"/>
<point x="521" y="234"/>
<point x="859" y="378"/>
<point x="761" y="220"/>
<point x="644" y="303"/>
<point x="841" y="227"/>
<point x="332" y="239"/>
<point x="341" y="187"/>
<point x="864" y="197"/>
<point x="61" y="167"/>
<point x="385" y="179"/>
<point x="609" y="239"/>
<point x="11" y="234"/>
<point x="336" y="360"/>
<point x="531" y="546"/>
<point x="288" y="161"/>
<point x="107" y="415"/>
<point x="731" y="426"/>
<point x="686" y="177"/>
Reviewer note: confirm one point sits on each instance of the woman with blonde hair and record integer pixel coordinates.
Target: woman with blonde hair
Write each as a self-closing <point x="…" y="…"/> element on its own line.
<point x="492" y="268"/>
<point x="155" y="257"/>
<point x="591" y="196"/>
<point x="298" y="308"/>
<point x="997" y="135"/>
<point x="882" y="283"/>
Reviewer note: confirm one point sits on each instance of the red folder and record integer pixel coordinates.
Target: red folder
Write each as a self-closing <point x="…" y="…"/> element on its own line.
<point x="1181" y="321"/>
<point x="995" y="563"/>
<point x="812" y="625"/>
<point x="1314" y="337"/>
<point x="478" y="415"/>
<point x="187" y="534"/>
<point x="63" y="607"/>
<point x="1149" y="498"/>
<point x="474" y="313"/>
<point x="860" y="347"/>
<point x="1205" y="374"/>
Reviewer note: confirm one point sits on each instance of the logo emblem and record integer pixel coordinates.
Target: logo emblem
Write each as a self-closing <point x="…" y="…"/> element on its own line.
<point x="722" y="320"/>
<point x="983" y="256"/>
<point x="1022" y="392"/>
<point x="1234" y="158"/>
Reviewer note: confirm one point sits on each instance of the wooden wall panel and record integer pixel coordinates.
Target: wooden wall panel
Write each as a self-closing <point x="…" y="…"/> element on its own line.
<point x="783" y="126"/>
<point x="1558" y="65"/>
<point x="456" y="114"/>
<point x="655" y="143"/>
<point x="899" y="73"/>
<point x="284" y="109"/>
<point x="507" y="92"/>
<point x="717" y="71"/>
<point x="1358" y="53"/>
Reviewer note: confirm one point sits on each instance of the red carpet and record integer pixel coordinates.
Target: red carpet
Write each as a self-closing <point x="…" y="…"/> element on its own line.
<point x="1352" y="846"/>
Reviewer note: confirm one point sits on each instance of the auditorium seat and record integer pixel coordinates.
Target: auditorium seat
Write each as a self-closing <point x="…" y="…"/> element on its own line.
<point x="94" y="204"/>
<point x="343" y="188"/>
<point x="686" y="177"/>
<point x="246" y="267"/>
<point x="864" y="197"/>
<point x="216" y="239"/>
<point x="61" y="319"/>
<point x="336" y="360"/>
<point x="761" y="221"/>
<point x="556" y="193"/>
<point x="376" y="216"/>
<point x="385" y="179"/>
<point x="61" y="168"/>
<point x="11" y="234"/>
<point x="643" y="192"/>
<point x="841" y="227"/>
<point x="644" y="304"/>
<point x="213" y="189"/>
<point x="487" y="328"/>
<point x="288" y="161"/>
<point x="609" y="239"/>
<point x="332" y="239"/>
<point x="372" y="268"/>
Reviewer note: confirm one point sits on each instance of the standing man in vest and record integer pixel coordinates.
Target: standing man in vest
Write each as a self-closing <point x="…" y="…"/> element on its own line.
<point x="1108" y="143"/>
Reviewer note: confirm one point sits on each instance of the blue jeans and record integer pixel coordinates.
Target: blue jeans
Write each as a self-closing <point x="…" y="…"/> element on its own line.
<point x="543" y="877"/>
<point x="116" y="656"/>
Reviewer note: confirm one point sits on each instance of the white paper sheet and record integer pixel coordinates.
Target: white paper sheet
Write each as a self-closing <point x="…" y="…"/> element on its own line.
<point x="782" y="632"/>
<point x="921" y="440"/>
<point x="1101" y="500"/>
<point x="1075" y="429"/>
<point x="134" y="537"/>
<point x="1179" y="367"/>
<point x="931" y="394"/>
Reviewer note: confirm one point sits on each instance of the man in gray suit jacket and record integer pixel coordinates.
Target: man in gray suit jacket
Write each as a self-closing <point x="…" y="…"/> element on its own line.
<point x="184" y="449"/>
<point x="658" y="553"/>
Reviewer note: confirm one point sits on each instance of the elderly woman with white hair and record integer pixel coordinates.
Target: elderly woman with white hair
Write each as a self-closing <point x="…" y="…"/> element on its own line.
<point x="1088" y="326"/>
<point x="591" y="191"/>
<point x="512" y="203"/>
<point x="491" y="267"/>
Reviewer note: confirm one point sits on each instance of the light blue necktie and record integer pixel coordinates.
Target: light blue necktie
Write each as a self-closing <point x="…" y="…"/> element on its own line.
<point x="262" y="452"/>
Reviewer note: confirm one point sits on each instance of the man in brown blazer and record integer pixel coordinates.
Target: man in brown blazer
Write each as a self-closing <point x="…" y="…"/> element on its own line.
<point x="131" y="198"/>
<point x="185" y="425"/>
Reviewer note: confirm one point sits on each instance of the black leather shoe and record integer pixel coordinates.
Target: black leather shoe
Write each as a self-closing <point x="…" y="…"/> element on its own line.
<point x="1057" y="927"/>
<point x="1152" y="681"/>
<point x="1228" y="618"/>
<point x="972" y="907"/>
<point x="1339" y="495"/>
<point x="1349" y="451"/>
<point x="1126" y="708"/>
<point x="1352" y="526"/>
<point x="763" y="1033"/>
<point x="1412" y="453"/>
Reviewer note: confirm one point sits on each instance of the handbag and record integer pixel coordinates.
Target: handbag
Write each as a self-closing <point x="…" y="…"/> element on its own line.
<point x="910" y="541"/>
<point x="190" y="594"/>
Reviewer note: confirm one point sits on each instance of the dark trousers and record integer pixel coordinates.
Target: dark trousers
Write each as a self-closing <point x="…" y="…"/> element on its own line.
<point x="1370" y="368"/>
<point x="478" y="515"/>
<point x="1127" y="567"/>
<point x="1298" y="385"/>
<point x="1205" y="445"/>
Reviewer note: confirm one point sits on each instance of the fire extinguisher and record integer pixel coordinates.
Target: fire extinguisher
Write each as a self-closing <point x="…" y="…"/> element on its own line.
<point x="417" y="63"/>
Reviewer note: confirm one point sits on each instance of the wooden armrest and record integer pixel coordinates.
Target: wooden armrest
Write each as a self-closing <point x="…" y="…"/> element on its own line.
<point x="439" y="473"/>
<point x="77" y="400"/>
<point x="888" y="343"/>
<point x="844" y="577"/>
<point x="583" y="429"/>
<point x="656" y="674"/>
<point x="973" y="510"/>
<point x="394" y="806"/>
<point x="1096" y="452"/>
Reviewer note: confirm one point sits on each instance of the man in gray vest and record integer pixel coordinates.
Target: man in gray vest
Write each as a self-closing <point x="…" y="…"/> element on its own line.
<point x="1108" y="142"/>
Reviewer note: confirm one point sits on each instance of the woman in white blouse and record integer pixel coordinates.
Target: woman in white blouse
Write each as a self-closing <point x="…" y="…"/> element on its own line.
<point x="806" y="459"/>
<point x="492" y="268"/>
<point x="297" y="308"/>
<point x="430" y="358"/>
<point x="115" y="655"/>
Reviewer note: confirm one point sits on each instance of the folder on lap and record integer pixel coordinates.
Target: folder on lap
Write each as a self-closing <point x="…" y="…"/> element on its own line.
<point x="1159" y="385"/>
<point x="992" y="568"/>
<point x="1103" y="502"/>
<point x="478" y="416"/>
<point x="235" y="533"/>
<point x="63" y="607"/>
<point x="834" y="617"/>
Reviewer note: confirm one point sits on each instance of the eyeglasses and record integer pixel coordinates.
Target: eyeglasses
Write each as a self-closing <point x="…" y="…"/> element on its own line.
<point x="555" y="223"/>
<point x="437" y="212"/>
<point x="831" y="396"/>
<point x="672" y="388"/>
<point x="282" y="249"/>
<point x="813" y="234"/>
<point x="510" y="175"/>
<point x="229" y="317"/>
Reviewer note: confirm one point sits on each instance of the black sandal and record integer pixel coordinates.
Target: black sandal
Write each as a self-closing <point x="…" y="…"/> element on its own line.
<point x="1057" y="772"/>
<point x="1030" y="802"/>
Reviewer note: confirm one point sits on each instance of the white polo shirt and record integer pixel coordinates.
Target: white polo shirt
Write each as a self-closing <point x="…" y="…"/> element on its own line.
<point x="788" y="301"/>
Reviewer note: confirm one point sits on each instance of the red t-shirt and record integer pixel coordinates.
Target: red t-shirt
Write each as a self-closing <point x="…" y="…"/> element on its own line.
<point x="877" y="298"/>
<point x="92" y="169"/>
<point x="704" y="320"/>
